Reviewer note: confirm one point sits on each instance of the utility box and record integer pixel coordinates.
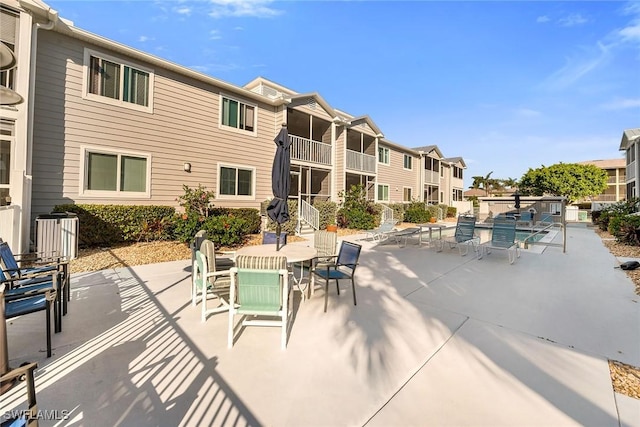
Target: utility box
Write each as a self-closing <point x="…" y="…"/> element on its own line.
<point x="57" y="235"/>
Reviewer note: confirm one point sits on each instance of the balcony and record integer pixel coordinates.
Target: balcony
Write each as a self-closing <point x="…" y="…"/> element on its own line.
<point x="631" y="170"/>
<point x="431" y="177"/>
<point x="361" y="162"/>
<point x="308" y="150"/>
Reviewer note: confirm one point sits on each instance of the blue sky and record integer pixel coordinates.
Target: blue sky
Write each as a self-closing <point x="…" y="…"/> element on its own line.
<point x="508" y="86"/>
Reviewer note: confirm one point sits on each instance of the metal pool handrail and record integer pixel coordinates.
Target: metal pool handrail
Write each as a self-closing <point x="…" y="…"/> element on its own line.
<point x="563" y="245"/>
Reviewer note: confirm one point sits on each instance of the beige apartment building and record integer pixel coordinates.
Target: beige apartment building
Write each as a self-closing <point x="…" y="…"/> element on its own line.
<point x="103" y="123"/>
<point x="616" y="179"/>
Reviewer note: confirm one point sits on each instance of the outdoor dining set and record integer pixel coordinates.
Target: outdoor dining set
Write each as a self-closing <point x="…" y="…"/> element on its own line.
<point x="256" y="282"/>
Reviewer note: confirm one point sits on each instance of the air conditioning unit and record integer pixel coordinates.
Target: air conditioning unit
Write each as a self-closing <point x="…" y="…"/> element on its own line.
<point x="57" y="235"/>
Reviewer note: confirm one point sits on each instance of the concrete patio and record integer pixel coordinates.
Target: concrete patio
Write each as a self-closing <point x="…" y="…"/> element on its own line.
<point x="436" y="339"/>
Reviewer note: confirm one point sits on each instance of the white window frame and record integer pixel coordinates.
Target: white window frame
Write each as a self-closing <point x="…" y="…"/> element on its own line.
<point x="410" y="161"/>
<point x="410" y="195"/>
<point x="220" y="196"/>
<point x="386" y="156"/>
<point x="555" y="208"/>
<point x="88" y="53"/>
<point x="11" y="139"/>
<point x="254" y="132"/>
<point x="83" y="191"/>
<point x="378" y="192"/>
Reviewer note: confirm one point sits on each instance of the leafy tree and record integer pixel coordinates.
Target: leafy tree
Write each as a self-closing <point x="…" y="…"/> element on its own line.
<point x="571" y="180"/>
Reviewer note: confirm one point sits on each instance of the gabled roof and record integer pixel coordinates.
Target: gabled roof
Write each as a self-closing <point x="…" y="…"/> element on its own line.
<point x="366" y="119"/>
<point x="428" y="149"/>
<point x="454" y="160"/>
<point x="319" y="99"/>
<point x="628" y="137"/>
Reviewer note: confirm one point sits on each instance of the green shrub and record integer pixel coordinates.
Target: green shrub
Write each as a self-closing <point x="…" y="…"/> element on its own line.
<point x="398" y="210"/>
<point x="196" y="200"/>
<point x="327" y="211"/>
<point x="251" y="216"/>
<point x="225" y="230"/>
<point x="416" y="213"/>
<point x="357" y="211"/>
<point x="451" y="211"/>
<point x="624" y="229"/>
<point x="289" y="226"/>
<point x="107" y="225"/>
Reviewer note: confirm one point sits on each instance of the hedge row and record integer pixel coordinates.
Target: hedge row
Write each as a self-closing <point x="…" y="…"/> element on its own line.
<point x="107" y="225"/>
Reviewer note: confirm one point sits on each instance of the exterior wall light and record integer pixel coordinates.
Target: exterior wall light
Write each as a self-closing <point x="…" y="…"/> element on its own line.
<point x="187" y="167"/>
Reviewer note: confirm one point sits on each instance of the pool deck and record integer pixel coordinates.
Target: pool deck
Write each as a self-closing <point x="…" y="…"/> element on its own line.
<point x="436" y="339"/>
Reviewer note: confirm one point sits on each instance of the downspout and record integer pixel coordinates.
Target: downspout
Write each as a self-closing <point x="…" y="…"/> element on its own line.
<point x="52" y="16"/>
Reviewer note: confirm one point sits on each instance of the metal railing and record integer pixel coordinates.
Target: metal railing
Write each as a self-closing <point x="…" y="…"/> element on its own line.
<point x="387" y="213"/>
<point x="309" y="214"/>
<point x="526" y="242"/>
<point x="360" y="161"/>
<point x="308" y="150"/>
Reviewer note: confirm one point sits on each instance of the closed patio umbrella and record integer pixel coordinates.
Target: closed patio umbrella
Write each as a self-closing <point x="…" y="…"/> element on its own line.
<point x="278" y="210"/>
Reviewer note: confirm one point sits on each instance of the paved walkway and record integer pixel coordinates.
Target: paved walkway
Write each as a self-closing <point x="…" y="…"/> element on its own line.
<point x="436" y="339"/>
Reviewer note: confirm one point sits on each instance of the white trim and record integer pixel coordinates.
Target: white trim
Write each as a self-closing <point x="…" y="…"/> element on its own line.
<point x="388" y="150"/>
<point x="378" y="185"/>
<point x="236" y="197"/>
<point x="82" y="181"/>
<point x="254" y="133"/>
<point x="105" y="99"/>
<point x="404" y="158"/>
<point x="411" y="198"/>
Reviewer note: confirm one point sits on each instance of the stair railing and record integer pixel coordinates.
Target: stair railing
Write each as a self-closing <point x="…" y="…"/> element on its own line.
<point x="309" y="214"/>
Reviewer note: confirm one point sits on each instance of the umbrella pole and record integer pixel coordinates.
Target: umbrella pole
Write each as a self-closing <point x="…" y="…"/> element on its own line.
<point x="278" y="231"/>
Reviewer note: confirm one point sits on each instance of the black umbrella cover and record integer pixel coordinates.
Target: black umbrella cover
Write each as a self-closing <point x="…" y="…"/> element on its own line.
<point x="278" y="210"/>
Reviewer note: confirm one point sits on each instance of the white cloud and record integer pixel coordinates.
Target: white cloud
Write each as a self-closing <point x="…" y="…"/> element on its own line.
<point x="527" y="112"/>
<point x="577" y="67"/>
<point x="185" y="10"/>
<point x="214" y="35"/>
<point x="543" y="19"/>
<point x="622" y="104"/>
<point x="573" y="20"/>
<point x="143" y="39"/>
<point x="243" y="8"/>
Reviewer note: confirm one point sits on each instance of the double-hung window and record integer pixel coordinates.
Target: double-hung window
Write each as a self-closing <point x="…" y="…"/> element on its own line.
<point x="236" y="182"/>
<point x="383" y="155"/>
<point x="408" y="194"/>
<point x="114" y="81"/>
<point x="408" y="162"/>
<point x="7" y="135"/>
<point x="237" y="115"/>
<point x="383" y="193"/>
<point x="115" y="174"/>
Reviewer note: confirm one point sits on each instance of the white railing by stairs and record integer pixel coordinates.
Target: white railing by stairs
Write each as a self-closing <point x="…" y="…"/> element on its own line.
<point x="387" y="213"/>
<point x="309" y="214"/>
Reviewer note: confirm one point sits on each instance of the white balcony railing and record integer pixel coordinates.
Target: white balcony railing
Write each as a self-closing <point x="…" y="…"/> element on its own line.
<point x="431" y="177"/>
<point x="361" y="162"/>
<point x="631" y="171"/>
<point x="308" y="150"/>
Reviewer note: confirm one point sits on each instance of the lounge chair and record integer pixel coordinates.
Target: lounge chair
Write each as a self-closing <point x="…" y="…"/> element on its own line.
<point x="382" y="232"/>
<point x="546" y="218"/>
<point x="525" y="220"/>
<point x="262" y="287"/>
<point x="503" y="236"/>
<point x="401" y="236"/>
<point x="462" y="237"/>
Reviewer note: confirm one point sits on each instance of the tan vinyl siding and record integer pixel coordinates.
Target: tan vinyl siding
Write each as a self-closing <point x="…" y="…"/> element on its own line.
<point x="183" y="128"/>
<point x="339" y="166"/>
<point x="397" y="177"/>
<point x="318" y="111"/>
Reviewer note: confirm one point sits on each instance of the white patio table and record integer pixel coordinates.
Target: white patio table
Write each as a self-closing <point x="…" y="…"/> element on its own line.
<point x="430" y="226"/>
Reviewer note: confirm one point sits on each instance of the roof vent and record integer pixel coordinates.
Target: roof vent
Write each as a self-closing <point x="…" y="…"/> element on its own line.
<point x="311" y="103"/>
